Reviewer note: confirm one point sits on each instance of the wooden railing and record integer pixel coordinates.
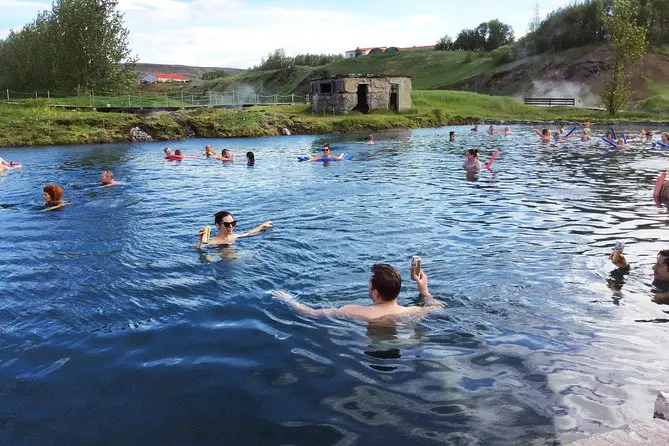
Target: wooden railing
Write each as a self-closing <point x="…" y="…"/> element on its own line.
<point x="550" y="101"/>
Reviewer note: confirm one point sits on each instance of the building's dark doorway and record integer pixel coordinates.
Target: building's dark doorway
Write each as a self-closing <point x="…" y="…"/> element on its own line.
<point x="394" y="97"/>
<point x="362" y="106"/>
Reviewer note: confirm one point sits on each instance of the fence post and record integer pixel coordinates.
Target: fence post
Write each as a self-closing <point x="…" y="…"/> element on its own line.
<point x="276" y="98"/>
<point x="191" y="100"/>
<point x="182" y="97"/>
<point x="233" y="97"/>
<point x="129" y="101"/>
<point x="8" y="94"/>
<point x="140" y="98"/>
<point x="35" y="96"/>
<point x="167" y="101"/>
<point x="48" y="95"/>
<point x="209" y="98"/>
<point x="292" y="99"/>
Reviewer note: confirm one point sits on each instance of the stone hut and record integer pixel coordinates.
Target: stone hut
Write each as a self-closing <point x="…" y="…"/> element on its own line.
<point x="360" y="92"/>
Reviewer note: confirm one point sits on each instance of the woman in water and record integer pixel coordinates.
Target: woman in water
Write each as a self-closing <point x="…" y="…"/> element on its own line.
<point x="250" y="159"/>
<point x="53" y="196"/>
<point x="544" y="135"/>
<point x="208" y="151"/>
<point x="226" y="224"/>
<point x="326" y="155"/>
<point x="472" y="163"/>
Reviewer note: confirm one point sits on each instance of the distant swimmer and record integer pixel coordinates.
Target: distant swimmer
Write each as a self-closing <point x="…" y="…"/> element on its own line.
<point x="369" y="139"/>
<point x="585" y="135"/>
<point x="491" y="130"/>
<point x="472" y="163"/>
<point x="226" y="224"/>
<point x="250" y="159"/>
<point x="167" y="151"/>
<point x="475" y="128"/>
<point x="226" y="155"/>
<point x="53" y="196"/>
<point x="178" y="156"/>
<point x="8" y="165"/>
<point x="208" y="151"/>
<point x="107" y="178"/>
<point x="660" y="290"/>
<point x="383" y="288"/>
<point x="506" y="131"/>
<point x="544" y="135"/>
<point x="451" y="136"/>
<point x="661" y="191"/>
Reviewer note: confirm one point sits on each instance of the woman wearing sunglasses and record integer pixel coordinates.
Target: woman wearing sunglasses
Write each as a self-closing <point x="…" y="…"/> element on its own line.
<point x="226" y="224"/>
<point x="327" y="156"/>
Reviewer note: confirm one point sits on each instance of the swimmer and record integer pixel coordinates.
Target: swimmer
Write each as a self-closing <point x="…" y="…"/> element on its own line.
<point x="472" y="163"/>
<point x="167" y="151"/>
<point x="585" y="135"/>
<point x="226" y="224"/>
<point x="226" y="155"/>
<point x="475" y="128"/>
<point x="250" y="159"/>
<point x="7" y="165"/>
<point x="451" y="136"/>
<point x="620" y="142"/>
<point x="53" y="196"/>
<point x="649" y="136"/>
<point x="327" y="155"/>
<point x="383" y="288"/>
<point x="491" y="130"/>
<point x="208" y="151"/>
<point x="544" y="135"/>
<point x="665" y="138"/>
<point x="661" y="190"/>
<point x="660" y="289"/>
<point x="506" y="131"/>
<point x="369" y="139"/>
<point x="107" y="178"/>
<point x="178" y="155"/>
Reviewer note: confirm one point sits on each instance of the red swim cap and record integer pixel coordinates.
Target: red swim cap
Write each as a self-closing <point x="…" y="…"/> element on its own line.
<point x="587" y="124"/>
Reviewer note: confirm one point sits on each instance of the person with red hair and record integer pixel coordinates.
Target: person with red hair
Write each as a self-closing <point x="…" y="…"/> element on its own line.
<point x="53" y="195"/>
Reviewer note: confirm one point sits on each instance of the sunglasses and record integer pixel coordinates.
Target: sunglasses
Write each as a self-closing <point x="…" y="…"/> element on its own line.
<point x="326" y="150"/>
<point x="228" y="224"/>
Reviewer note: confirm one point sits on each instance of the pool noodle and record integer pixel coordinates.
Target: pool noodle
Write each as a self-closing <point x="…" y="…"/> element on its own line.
<point x="624" y="139"/>
<point x="659" y="183"/>
<point x="492" y="159"/>
<point x="613" y="132"/>
<point x="660" y="143"/>
<point x="568" y="133"/>
<point x="611" y="143"/>
<point x="345" y="156"/>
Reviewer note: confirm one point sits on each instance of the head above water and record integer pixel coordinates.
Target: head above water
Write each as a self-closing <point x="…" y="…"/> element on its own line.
<point x="225" y="152"/>
<point x="385" y="283"/>
<point x="224" y="220"/>
<point x="369" y="138"/>
<point x="545" y="132"/>
<point x="178" y="152"/>
<point x="53" y="193"/>
<point x="250" y="157"/>
<point x="167" y="151"/>
<point x="473" y="153"/>
<point x="661" y="267"/>
<point x="107" y="177"/>
<point x="326" y="148"/>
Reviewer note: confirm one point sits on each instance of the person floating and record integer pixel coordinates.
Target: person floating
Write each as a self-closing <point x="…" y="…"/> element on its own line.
<point x="53" y="196"/>
<point x="226" y="223"/>
<point x="383" y="289"/>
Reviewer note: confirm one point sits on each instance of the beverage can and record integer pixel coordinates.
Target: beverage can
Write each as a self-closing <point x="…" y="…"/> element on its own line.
<point x="206" y="234"/>
<point x="415" y="265"/>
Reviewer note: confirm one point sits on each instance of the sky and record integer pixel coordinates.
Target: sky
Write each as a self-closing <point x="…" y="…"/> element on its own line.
<point x="238" y="33"/>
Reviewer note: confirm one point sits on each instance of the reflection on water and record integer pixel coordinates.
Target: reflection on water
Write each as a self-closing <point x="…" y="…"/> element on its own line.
<point x="112" y="321"/>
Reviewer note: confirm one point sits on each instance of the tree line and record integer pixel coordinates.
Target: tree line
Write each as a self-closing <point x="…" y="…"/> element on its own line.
<point x="278" y="59"/>
<point x="485" y="37"/>
<point x="78" y="45"/>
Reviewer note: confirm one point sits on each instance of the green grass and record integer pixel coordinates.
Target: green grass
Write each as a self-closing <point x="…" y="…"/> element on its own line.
<point x="33" y="122"/>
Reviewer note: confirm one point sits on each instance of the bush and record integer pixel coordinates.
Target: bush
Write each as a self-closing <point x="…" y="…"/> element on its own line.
<point x="503" y="55"/>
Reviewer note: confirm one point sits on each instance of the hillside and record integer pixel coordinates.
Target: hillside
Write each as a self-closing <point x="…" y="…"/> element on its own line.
<point x="574" y="73"/>
<point x="186" y="70"/>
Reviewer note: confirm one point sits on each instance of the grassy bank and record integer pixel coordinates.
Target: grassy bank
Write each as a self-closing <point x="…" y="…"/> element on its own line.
<point x="35" y="123"/>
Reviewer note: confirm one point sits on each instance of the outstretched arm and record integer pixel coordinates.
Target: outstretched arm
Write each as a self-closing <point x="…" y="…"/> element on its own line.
<point x="257" y="229"/>
<point x="304" y="309"/>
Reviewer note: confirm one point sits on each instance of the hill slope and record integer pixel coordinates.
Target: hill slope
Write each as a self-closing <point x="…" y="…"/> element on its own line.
<point x="186" y="70"/>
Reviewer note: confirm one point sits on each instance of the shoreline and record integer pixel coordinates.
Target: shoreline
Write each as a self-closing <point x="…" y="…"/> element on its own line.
<point x="23" y="126"/>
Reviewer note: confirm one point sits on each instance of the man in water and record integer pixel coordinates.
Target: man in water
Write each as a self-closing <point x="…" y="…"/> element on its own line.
<point x="451" y="136"/>
<point x="383" y="288"/>
<point x="660" y="273"/>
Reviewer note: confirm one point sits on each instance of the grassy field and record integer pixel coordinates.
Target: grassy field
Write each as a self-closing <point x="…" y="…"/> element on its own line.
<point x="32" y="122"/>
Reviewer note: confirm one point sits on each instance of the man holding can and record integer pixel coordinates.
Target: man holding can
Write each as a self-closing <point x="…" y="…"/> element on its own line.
<point x="384" y="287"/>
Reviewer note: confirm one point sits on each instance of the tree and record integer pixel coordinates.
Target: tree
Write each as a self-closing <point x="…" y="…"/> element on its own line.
<point x="499" y="34"/>
<point x="444" y="44"/>
<point x="358" y="52"/>
<point x="79" y="44"/>
<point x="536" y="19"/>
<point x="485" y="37"/>
<point x="627" y="42"/>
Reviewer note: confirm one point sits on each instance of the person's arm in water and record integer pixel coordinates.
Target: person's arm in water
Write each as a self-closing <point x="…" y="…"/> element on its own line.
<point x="258" y="229"/>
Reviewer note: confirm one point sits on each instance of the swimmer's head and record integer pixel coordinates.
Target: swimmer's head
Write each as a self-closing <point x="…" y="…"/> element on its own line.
<point x="665" y="138"/>
<point x="661" y="267"/>
<point x="225" y="152"/>
<point x="53" y="193"/>
<point x="385" y="283"/>
<point x="472" y="153"/>
<point x="250" y="158"/>
<point x="177" y="152"/>
<point x="545" y="132"/>
<point x="369" y="138"/>
<point x="225" y="221"/>
<point x="167" y="151"/>
<point x="107" y="177"/>
<point x="326" y="148"/>
<point x="620" y="142"/>
<point x="587" y="124"/>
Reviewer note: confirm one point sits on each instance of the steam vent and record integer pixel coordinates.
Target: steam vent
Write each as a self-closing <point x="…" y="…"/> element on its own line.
<point x="360" y="92"/>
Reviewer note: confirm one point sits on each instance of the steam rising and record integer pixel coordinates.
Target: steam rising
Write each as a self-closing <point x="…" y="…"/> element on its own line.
<point x="564" y="89"/>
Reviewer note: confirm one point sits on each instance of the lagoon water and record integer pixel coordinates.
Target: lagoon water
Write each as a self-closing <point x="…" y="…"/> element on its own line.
<point x="114" y="329"/>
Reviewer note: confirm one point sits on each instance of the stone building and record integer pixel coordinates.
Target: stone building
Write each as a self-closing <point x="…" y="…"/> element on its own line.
<point x="360" y="92"/>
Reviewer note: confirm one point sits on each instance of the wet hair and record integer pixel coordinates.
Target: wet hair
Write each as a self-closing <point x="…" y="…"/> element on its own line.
<point x="369" y="138"/>
<point x="545" y="132"/>
<point x="219" y="216"/>
<point x="167" y="149"/>
<point x="55" y="192"/>
<point x="473" y="152"/>
<point x="225" y="150"/>
<point x="108" y="174"/>
<point x="620" y="141"/>
<point x="386" y="281"/>
<point x="251" y="157"/>
<point x="326" y="145"/>
<point x="665" y="135"/>
<point x="177" y="152"/>
<point x="451" y="133"/>
<point x="664" y="253"/>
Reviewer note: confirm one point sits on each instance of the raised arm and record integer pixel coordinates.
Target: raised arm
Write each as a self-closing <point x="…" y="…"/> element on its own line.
<point x="257" y="229"/>
<point x="429" y="301"/>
